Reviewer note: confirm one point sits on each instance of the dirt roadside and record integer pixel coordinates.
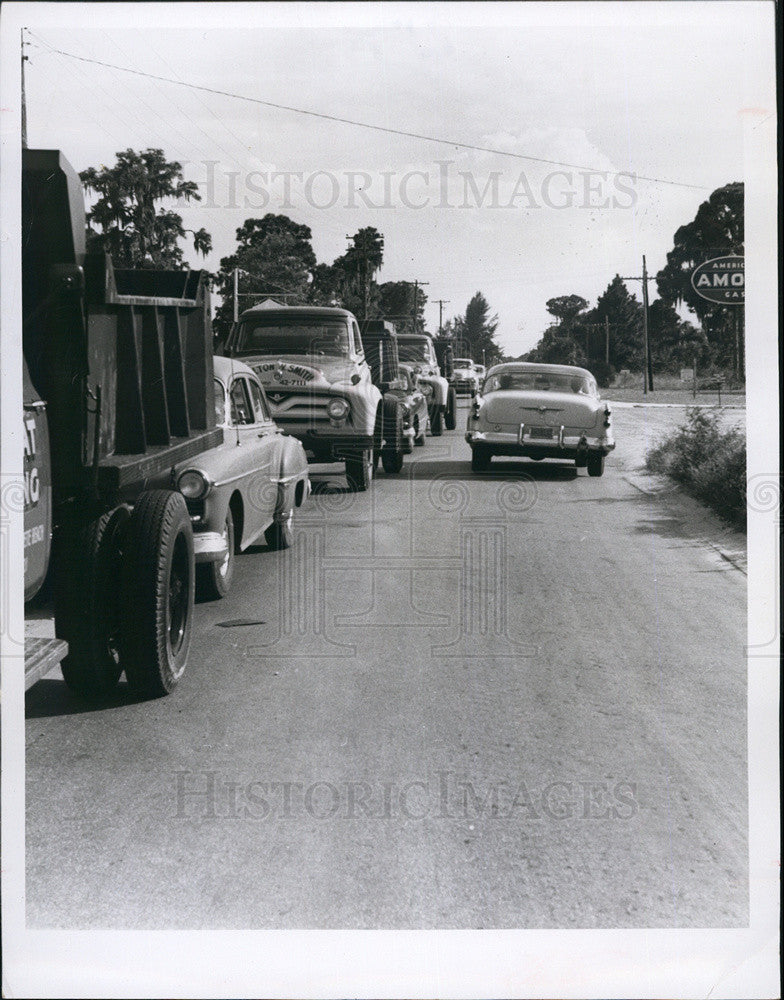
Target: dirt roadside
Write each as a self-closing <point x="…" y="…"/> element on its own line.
<point x="640" y="428"/>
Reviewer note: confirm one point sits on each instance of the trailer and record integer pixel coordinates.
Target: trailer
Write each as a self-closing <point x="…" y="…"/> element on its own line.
<point x="118" y="389"/>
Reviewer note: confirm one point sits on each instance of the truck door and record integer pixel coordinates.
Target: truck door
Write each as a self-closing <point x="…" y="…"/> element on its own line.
<point x="37" y="489"/>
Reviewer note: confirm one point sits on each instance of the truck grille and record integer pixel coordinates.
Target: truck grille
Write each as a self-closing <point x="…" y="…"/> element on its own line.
<point x="299" y="407"/>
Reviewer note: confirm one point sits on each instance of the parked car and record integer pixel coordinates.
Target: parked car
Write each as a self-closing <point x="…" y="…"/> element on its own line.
<point x="414" y="403"/>
<point x="481" y="371"/>
<point x="466" y="378"/>
<point x="417" y="350"/>
<point x="245" y="487"/>
<point x="540" y="411"/>
<point x="312" y="365"/>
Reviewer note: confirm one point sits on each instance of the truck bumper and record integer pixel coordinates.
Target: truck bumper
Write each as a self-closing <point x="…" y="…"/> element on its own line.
<point x="323" y="446"/>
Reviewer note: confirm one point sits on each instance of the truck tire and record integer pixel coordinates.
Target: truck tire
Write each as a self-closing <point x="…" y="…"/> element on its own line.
<point x="279" y="535"/>
<point x="436" y="421"/>
<point x="87" y="602"/>
<point x="392" y="452"/>
<point x="359" y="471"/>
<point x="450" y="417"/>
<point x="213" y="580"/>
<point x="595" y="463"/>
<point x="158" y="585"/>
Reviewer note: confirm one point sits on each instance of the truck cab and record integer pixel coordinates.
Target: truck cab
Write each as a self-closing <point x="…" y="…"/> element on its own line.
<point x="311" y="362"/>
<point x="418" y="350"/>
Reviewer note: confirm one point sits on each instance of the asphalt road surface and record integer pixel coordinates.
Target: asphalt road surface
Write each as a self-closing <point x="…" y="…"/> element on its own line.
<point x="513" y="699"/>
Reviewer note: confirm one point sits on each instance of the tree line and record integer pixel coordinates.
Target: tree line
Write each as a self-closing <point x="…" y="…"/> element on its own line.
<point x="609" y="336"/>
<point x="274" y="256"/>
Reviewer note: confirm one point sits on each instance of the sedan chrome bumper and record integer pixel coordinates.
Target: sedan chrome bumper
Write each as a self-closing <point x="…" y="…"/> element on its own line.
<point x="563" y="442"/>
<point x="209" y="546"/>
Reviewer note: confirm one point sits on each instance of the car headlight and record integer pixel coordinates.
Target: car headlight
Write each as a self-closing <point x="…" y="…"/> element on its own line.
<point x="426" y="388"/>
<point x="193" y="484"/>
<point x="337" y="408"/>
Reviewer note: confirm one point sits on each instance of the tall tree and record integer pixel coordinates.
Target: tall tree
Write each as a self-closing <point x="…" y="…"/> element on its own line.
<point x="355" y="271"/>
<point x="274" y="256"/>
<point x="396" y="303"/>
<point x="566" y="309"/>
<point x="479" y="329"/>
<point x="133" y="224"/>
<point x="716" y="230"/>
<point x="624" y="315"/>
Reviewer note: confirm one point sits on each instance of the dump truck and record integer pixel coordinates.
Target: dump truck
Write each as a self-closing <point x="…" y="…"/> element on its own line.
<point x="118" y="389"/>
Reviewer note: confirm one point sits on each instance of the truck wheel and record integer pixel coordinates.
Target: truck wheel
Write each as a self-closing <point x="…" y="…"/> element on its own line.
<point x="359" y="471"/>
<point x="158" y="585"/>
<point x="595" y="464"/>
<point x="392" y="452"/>
<point x="450" y="417"/>
<point x="480" y="458"/>
<point x="436" y="421"/>
<point x="87" y="603"/>
<point x="279" y="535"/>
<point x="213" y="580"/>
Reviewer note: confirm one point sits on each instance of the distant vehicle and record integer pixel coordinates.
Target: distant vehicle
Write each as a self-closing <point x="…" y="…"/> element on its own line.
<point x="481" y="371"/>
<point x="466" y="378"/>
<point x="415" y="415"/>
<point x="540" y="411"/>
<point x="249" y="485"/>
<point x="312" y="365"/>
<point x="445" y="356"/>
<point x="380" y="342"/>
<point x="417" y="350"/>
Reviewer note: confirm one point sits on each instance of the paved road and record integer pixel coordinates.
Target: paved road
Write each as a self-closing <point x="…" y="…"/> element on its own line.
<point x="514" y="699"/>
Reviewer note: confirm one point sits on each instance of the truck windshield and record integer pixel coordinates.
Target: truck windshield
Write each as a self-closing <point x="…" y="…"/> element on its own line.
<point x="414" y="350"/>
<point x="464" y="363"/>
<point x="299" y="335"/>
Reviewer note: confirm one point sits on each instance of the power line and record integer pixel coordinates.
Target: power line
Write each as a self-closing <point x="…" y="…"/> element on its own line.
<point x="367" y="125"/>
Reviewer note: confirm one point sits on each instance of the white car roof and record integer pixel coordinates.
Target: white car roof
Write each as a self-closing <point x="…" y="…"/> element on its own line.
<point x="533" y="366"/>
<point x="225" y="367"/>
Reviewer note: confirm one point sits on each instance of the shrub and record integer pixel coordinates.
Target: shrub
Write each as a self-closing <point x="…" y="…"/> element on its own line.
<point x="708" y="461"/>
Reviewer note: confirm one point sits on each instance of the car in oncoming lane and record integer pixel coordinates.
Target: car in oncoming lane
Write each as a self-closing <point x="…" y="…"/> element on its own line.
<point x="247" y="486"/>
<point x="540" y="411"/>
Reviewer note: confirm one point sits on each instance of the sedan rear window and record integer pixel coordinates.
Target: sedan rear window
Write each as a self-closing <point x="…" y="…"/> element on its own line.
<point x="540" y="382"/>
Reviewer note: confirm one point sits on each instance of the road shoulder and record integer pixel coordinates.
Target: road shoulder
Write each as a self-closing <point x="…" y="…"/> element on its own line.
<point x="697" y="519"/>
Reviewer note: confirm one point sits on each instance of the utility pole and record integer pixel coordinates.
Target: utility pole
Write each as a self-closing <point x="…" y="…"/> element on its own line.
<point x="647" y="363"/>
<point x="236" y="295"/>
<point x="606" y="340"/>
<point x="24" y="98"/>
<point x="441" y="304"/>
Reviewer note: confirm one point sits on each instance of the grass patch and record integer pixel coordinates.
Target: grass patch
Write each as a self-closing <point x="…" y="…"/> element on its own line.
<point x="708" y="461"/>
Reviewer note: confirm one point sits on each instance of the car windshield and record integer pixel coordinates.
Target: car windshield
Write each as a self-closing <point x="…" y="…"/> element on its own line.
<point x="521" y="381"/>
<point x="299" y="335"/>
<point x="416" y="350"/>
<point x="463" y="363"/>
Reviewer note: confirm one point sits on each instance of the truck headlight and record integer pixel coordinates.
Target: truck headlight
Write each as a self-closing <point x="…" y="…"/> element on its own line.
<point x="193" y="484"/>
<point x="337" y="408"/>
<point x="426" y="388"/>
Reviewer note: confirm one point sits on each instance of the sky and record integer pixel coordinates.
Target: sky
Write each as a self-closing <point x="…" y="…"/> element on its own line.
<point x="601" y="129"/>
